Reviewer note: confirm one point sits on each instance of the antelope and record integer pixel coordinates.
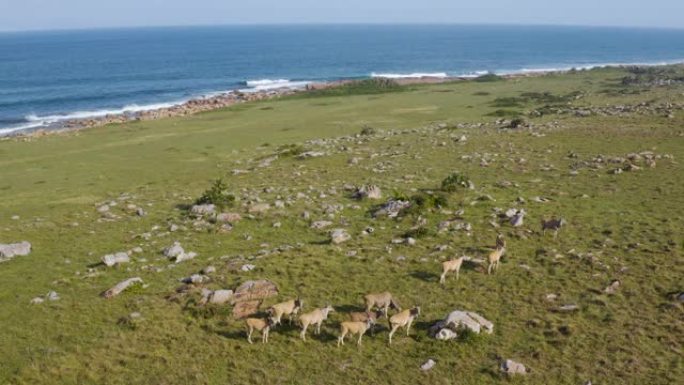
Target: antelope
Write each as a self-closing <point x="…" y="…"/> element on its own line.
<point x="403" y="319"/>
<point x="315" y="317"/>
<point x="451" y="265"/>
<point x="260" y="324"/>
<point x="552" y="224"/>
<point x="354" y="327"/>
<point x="500" y="241"/>
<point x="363" y="316"/>
<point x="494" y="258"/>
<point x="383" y="301"/>
<point x="289" y="308"/>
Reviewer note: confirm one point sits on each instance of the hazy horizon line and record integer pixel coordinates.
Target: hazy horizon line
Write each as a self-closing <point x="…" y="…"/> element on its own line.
<point x="337" y="23"/>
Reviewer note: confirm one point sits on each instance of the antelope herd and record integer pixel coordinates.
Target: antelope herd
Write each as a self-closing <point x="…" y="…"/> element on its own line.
<point x="376" y="305"/>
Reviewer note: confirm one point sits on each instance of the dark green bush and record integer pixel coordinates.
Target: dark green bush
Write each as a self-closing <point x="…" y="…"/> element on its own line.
<point x="217" y="195"/>
<point x="504" y="113"/>
<point x="418" y="232"/>
<point x="488" y="78"/>
<point x="291" y="150"/>
<point x="368" y="131"/>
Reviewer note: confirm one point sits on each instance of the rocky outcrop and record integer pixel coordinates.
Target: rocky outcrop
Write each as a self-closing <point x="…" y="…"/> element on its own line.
<point x="338" y="236"/>
<point x="121" y="286"/>
<point x="391" y="209"/>
<point x="511" y="367"/>
<point x="249" y="296"/>
<point x="12" y="250"/>
<point x="448" y="328"/>
<point x="176" y="253"/>
<point x="368" y="192"/>
<point x="116" y="259"/>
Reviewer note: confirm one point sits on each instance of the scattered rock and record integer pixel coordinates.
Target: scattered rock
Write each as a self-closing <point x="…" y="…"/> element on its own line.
<point x="613" y="287"/>
<point x="203" y="210"/>
<point x="255" y="290"/>
<point x="368" y="191"/>
<point x="392" y="208"/>
<point x="428" y="364"/>
<point x="338" y="236"/>
<point x="517" y="219"/>
<point x="37" y="300"/>
<point x="310" y="154"/>
<point x="245" y="308"/>
<point x="177" y="253"/>
<point x="247" y="267"/>
<point x="121" y="286"/>
<point x="511" y="367"/>
<point x="116" y="259"/>
<point x="470" y="320"/>
<point x="196" y="279"/>
<point x="228" y="217"/>
<point x="9" y="251"/>
<point x="259" y="208"/>
<point x="208" y="270"/>
<point x="52" y="296"/>
<point x="447" y="329"/>
<point x="568" y="308"/>
<point x="446" y="334"/>
<point x="217" y="297"/>
<point x="321" y="224"/>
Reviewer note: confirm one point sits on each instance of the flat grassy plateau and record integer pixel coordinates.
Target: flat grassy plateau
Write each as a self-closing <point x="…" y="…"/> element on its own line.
<point x="573" y="131"/>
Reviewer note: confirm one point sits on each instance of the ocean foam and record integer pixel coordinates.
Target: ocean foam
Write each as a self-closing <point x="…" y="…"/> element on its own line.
<point x="273" y="84"/>
<point x="415" y="75"/>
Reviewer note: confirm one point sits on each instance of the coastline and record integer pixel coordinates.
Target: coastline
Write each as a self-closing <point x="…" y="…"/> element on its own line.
<point x="226" y="99"/>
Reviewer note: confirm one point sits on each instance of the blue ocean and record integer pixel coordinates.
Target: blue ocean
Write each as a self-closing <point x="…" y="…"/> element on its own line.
<point x="47" y="77"/>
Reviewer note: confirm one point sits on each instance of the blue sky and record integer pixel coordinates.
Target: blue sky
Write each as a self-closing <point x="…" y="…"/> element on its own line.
<point x="67" y="14"/>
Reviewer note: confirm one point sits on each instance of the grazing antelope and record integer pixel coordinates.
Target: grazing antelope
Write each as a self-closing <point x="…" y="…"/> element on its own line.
<point x="353" y="327"/>
<point x="383" y="301"/>
<point x="289" y="308"/>
<point x="500" y="241"/>
<point x="403" y="319"/>
<point x="494" y="258"/>
<point x="451" y="265"/>
<point x="261" y="325"/>
<point x="552" y="224"/>
<point x="363" y="316"/>
<point x="315" y="317"/>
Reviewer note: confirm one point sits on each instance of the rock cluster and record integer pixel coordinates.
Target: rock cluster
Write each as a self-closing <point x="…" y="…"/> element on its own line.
<point x="448" y="328"/>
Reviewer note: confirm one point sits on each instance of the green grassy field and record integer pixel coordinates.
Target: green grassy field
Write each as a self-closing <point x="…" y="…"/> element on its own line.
<point x="624" y="226"/>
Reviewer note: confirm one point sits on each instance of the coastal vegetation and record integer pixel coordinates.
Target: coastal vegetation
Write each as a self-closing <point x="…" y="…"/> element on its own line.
<point x="109" y="204"/>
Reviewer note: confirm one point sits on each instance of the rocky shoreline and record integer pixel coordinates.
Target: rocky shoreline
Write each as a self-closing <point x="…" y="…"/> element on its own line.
<point x="227" y="99"/>
<point x="202" y="104"/>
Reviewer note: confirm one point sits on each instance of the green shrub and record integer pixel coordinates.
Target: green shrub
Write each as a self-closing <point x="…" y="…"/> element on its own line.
<point x="217" y="195"/>
<point x="490" y="77"/>
<point x="508" y="102"/>
<point x="356" y="87"/>
<point x="418" y="232"/>
<point x="368" y="131"/>
<point x="504" y="113"/>
<point x="454" y="182"/>
<point x="291" y="150"/>
<point x="517" y="122"/>
<point x="422" y="202"/>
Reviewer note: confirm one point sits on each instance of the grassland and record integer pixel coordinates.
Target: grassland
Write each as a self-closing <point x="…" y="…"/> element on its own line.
<point x="624" y="226"/>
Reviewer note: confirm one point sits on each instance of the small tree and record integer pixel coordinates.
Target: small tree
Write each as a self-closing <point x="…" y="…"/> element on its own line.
<point x="217" y="195"/>
<point x="454" y="182"/>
